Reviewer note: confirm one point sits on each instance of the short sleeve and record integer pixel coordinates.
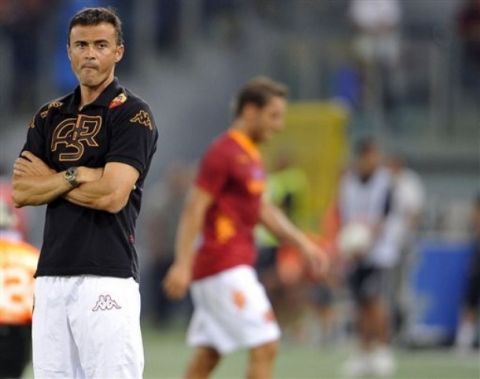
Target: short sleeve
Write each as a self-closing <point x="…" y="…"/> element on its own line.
<point x="35" y="142"/>
<point x="213" y="172"/>
<point x="133" y="137"/>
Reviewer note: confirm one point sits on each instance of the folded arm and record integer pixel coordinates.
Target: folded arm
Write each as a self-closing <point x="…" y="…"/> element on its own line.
<point x="107" y="188"/>
<point x="34" y="183"/>
<point x="110" y="192"/>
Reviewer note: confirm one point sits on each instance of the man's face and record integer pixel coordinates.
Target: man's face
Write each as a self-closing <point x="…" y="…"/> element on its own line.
<point x="93" y="52"/>
<point x="369" y="162"/>
<point x="267" y="121"/>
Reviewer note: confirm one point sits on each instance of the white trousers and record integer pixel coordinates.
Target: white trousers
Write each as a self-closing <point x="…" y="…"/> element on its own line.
<point x="231" y="311"/>
<point x="87" y="327"/>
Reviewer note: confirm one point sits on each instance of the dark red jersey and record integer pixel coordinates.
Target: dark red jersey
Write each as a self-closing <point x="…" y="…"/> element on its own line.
<point x="232" y="172"/>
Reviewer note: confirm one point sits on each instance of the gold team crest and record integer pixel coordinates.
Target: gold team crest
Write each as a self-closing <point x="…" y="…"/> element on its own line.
<point x="119" y="100"/>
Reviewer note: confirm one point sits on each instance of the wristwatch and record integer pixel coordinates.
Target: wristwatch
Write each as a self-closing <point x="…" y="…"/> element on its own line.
<point x="71" y="176"/>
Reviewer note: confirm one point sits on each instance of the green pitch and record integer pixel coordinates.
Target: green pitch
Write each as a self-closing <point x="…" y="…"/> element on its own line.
<point x="166" y="356"/>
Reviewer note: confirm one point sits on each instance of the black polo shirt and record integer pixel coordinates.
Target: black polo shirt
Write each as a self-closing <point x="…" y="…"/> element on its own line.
<point x="116" y="127"/>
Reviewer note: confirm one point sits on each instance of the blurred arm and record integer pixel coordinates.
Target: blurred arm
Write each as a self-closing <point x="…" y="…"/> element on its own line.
<point x="191" y="221"/>
<point x="277" y="223"/>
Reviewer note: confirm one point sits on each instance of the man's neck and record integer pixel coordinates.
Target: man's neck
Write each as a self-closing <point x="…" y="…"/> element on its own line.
<point x="241" y="127"/>
<point x="89" y="94"/>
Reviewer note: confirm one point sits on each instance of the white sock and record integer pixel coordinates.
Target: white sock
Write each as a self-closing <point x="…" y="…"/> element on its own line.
<point x="465" y="335"/>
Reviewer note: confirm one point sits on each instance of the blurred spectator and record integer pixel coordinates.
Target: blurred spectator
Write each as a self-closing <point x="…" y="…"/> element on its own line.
<point x="469" y="31"/>
<point x="408" y="201"/>
<point x="365" y="198"/>
<point x="377" y="47"/>
<point x="21" y="21"/>
<point x="18" y="261"/>
<point x="163" y="209"/>
<point x="469" y="325"/>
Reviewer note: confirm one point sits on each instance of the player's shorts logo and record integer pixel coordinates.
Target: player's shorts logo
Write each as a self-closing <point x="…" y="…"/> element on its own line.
<point x="74" y="134"/>
<point x="105" y="303"/>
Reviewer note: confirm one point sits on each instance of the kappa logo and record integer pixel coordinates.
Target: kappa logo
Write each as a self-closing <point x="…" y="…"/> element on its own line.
<point x="53" y="104"/>
<point x="105" y="303"/>
<point x="142" y="118"/>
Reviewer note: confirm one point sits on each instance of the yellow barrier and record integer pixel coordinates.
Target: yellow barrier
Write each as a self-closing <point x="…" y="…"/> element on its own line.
<point x="315" y="139"/>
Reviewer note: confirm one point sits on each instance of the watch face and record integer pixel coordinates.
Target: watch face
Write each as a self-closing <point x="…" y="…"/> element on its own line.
<point x="70" y="176"/>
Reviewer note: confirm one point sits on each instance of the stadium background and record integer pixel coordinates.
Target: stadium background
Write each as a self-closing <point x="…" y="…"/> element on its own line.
<point x="187" y="57"/>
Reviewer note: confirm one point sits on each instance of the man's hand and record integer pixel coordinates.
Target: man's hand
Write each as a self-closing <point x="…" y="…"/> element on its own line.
<point x="317" y="258"/>
<point x="87" y="174"/>
<point x="29" y="165"/>
<point x="177" y="280"/>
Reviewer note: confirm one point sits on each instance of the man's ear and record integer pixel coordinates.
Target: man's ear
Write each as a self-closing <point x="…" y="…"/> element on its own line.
<point x="250" y="110"/>
<point x="119" y="53"/>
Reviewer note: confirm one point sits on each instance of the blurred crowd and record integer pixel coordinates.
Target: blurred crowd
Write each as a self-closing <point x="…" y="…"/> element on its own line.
<point x="378" y="70"/>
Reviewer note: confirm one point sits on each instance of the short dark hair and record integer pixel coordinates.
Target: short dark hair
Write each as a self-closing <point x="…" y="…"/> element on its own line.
<point x="364" y="146"/>
<point x="258" y="91"/>
<point x="95" y="16"/>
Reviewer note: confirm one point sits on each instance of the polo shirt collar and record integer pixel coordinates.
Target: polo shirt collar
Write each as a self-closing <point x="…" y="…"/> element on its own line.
<point x="103" y="100"/>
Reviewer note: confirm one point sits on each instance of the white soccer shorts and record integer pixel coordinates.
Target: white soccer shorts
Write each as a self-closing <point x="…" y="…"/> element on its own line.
<point x="87" y="327"/>
<point x="231" y="310"/>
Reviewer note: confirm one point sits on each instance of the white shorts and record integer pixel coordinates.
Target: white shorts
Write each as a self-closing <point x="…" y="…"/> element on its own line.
<point x="87" y="327"/>
<point x="231" y="310"/>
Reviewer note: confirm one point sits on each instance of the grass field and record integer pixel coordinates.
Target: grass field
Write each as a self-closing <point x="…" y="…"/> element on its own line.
<point x="166" y="356"/>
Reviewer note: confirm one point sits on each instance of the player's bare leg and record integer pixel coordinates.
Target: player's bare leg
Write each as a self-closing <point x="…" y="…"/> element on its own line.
<point x="261" y="360"/>
<point x="373" y="356"/>
<point x="375" y="335"/>
<point x="373" y="323"/>
<point x="203" y="362"/>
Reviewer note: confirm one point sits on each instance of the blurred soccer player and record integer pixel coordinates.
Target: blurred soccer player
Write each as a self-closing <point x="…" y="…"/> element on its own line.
<point x="18" y="261"/>
<point x="87" y="156"/>
<point x="365" y="196"/>
<point x="231" y="307"/>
